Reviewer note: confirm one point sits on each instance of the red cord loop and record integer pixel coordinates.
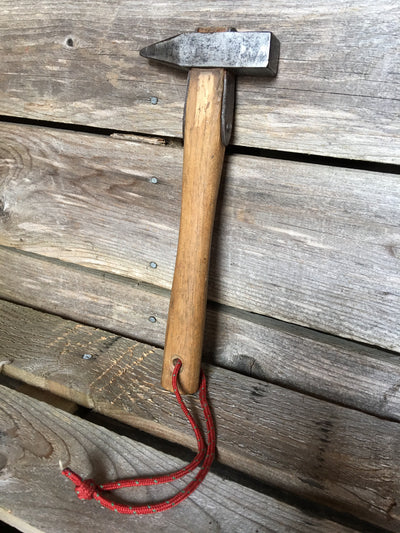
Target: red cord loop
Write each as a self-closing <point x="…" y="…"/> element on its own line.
<point x="87" y="489"/>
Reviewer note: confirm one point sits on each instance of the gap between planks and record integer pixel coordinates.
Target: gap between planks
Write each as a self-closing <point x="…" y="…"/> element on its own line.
<point x="231" y="149"/>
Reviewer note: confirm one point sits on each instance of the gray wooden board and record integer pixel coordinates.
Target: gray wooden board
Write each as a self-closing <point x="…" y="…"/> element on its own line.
<point x="331" y="454"/>
<point x="336" y="93"/>
<point x="310" y="244"/>
<point x="35" y="497"/>
<point x="341" y="371"/>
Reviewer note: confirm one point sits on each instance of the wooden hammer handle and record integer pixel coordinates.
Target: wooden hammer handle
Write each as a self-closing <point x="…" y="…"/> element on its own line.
<point x="202" y="166"/>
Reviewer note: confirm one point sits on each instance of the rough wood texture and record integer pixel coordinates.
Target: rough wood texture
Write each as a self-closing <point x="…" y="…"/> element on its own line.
<point x="336" y="93"/>
<point x="310" y="244"/>
<point x="331" y="454"/>
<point x="35" y="436"/>
<point x="258" y="346"/>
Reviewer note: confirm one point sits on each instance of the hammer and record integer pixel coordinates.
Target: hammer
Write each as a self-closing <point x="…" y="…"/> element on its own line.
<point x="212" y="57"/>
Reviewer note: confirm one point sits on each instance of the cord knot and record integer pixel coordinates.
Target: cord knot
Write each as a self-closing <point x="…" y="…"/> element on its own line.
<point x="86" y="489"/>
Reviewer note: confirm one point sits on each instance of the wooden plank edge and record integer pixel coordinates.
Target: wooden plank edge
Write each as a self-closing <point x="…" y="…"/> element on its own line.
<point x="7" y="517"/>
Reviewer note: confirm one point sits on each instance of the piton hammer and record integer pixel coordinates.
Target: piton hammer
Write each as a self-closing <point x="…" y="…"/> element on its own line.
<point x="212" y="57"/>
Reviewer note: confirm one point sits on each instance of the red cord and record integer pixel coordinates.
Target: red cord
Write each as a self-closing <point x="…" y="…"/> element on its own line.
<point x="87" y="489"/>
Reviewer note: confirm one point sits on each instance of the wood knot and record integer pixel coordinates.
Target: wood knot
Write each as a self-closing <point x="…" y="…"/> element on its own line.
<point x="394" y="250"/>
<point x="4" y="213"/>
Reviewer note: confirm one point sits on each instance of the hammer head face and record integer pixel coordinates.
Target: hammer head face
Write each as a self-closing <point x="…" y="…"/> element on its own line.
<point x="251" y="53"/>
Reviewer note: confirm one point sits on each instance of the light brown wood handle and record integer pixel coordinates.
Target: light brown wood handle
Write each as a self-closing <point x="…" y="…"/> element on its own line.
<point x="202" y="166"/>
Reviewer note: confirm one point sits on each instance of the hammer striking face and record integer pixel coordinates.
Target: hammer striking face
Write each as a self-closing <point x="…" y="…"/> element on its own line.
<point x="212" y="59"/>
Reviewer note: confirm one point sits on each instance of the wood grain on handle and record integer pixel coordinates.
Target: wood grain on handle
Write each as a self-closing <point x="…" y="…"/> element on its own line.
<point x="202" y="165"/>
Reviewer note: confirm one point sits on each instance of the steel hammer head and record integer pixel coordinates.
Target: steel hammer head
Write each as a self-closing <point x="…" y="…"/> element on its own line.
<point x="251" y="53"/>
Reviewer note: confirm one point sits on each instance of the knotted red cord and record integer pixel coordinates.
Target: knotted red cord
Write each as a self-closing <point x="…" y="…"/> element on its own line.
<point x="88" y="489"/>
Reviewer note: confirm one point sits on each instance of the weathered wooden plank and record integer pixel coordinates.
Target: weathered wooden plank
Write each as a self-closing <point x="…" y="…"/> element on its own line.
<point x="88" y="296"/>
<point x="261" y="347"/>
<point x="309" y="244"/>
<point x="31" y="479"/>
<point x="331" y="454"/>
<point x="336" y="93"/>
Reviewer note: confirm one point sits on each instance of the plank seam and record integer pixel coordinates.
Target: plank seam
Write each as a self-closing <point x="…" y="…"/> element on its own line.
<point x="357" y="164"/>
